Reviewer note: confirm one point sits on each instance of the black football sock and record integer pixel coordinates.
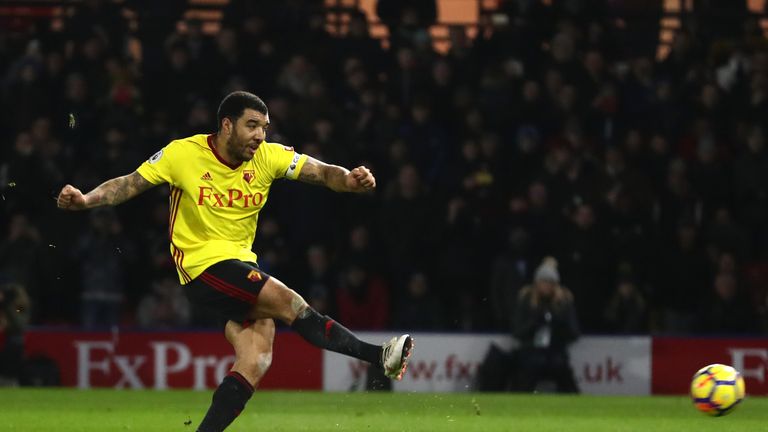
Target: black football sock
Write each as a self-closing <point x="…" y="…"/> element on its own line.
<point x="321" y="331"/>
<point x="228" y="401"/>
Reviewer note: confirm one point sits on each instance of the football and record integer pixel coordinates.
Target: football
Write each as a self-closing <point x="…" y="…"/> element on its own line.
<point x="717" y="389"/>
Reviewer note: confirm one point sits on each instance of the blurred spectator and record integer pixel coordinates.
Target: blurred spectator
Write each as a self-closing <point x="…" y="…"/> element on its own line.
<point x="271" y="244"/>
<point x="762" y="313"/>
<point x="115" y="155"/>
<point x="751" y="190"/>
<point x="682" y="55"/>
<point x="627" y="215"/>
<point x="318" y="107"/>
<point x="319" y="280"/>
<point x="200" y="117"/>
<point x="666" y="114"/>
<point x="177" y="85"/>
<point x="362" y="299"/>
<point x="626" y="312"/>
<point x="406" y="216"/>
<point x="682" y="276"/>
<point x="587" y="266"/>
<point x="78" y="104"/>
<point x="91" y="54"/>
<point x="528" y="157"/>
<point x="408" y="77"/>
<point x="725" y="310"/>
<point x="23" y="88"/>
<point x="19" y="177"/>
<point x="21" y="253"/>
<point x="408" y="21"/>
<point x="166" y="307"/>
<point x="359" y="43"/>
<point x="155" y="21"/>
<point x="14" y="319"/>
<point x="725" y="235"/>
<point x="227" y="55"/>
<point x="418" y="309"/>
<point x="540" y="217"/>
<point x="54" y="160"/>
<point x="545" y="324"/>
<point x="426" y="142"/>
<point x="709" y="176"/>
<point x="297" y="75"/>
<point x="637" y="90"/>
<point x="721" y="19"/>
<point x="454" y="246"/>
<point x="362" y="248"/>
<point x="509" y="273"/>
<point x="102" y="18"/>
<point x="678" y="201"/>
<point x="104" y="254"/>
<point x="199" y="45"/>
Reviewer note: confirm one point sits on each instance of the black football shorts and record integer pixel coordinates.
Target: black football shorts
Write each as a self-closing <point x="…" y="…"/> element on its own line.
<point x="228" y="289"/>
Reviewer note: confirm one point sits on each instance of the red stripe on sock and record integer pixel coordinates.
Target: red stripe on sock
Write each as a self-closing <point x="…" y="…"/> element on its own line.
<point x="236" y="375"/>
<point x="328" y="325"/>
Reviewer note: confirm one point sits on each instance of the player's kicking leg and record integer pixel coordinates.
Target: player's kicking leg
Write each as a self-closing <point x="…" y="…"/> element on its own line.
<point x="280" y="302"/>
<point x="253" y="355"/>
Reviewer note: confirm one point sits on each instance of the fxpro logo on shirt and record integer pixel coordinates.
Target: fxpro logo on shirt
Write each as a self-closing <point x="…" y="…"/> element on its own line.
<point x="232" y="198"/>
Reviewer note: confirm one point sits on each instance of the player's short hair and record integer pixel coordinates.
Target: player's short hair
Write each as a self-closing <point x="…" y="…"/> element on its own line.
<point x="233" y="105"/>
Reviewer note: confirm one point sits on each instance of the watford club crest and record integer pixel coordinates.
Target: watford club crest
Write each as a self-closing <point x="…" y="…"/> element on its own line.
<point x="254" y="276"/>
<point x="248" y="175"/>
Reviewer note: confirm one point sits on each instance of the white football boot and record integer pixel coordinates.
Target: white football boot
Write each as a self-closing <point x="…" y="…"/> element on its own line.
<point x="394" y="356"/>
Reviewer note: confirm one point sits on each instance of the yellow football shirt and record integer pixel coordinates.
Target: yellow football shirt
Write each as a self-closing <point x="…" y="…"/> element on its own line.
<point x="215" y="206"/>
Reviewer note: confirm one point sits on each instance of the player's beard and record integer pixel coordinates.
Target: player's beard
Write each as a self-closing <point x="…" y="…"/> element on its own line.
<point x="236" y="148"/>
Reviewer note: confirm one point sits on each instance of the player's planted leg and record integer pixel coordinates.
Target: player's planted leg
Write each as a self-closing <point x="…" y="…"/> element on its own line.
<point x="277" y="300"/>
<point x="253" y="356"/>
<point x="229" y="400"/>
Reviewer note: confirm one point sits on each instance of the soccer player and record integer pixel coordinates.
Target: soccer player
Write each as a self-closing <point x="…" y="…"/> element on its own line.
<point x="218" y="185"/>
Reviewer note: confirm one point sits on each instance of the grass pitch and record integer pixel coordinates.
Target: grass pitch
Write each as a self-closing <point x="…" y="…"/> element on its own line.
<point x="64" y="410"/>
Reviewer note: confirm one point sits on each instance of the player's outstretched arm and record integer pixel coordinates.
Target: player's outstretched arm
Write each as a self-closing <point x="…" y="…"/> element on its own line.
<point x="337" y="178"/>
<point x="110" y="193"/>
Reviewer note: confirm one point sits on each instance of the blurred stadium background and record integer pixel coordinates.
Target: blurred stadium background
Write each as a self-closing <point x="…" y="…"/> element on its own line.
<point x="625" y="139"/>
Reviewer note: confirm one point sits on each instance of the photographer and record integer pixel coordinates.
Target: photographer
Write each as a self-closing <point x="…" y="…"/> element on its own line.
<point x="545" y="323"/>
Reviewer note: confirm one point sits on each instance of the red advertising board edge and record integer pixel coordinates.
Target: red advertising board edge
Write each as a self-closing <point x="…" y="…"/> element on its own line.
<point x="162" y="360"/>
<point x="675" y="360"/>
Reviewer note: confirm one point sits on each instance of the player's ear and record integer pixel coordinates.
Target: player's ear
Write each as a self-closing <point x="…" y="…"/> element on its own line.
<point x="226" y="126"/>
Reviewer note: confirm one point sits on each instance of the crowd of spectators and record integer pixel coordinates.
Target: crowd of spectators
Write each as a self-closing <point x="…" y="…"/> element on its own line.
<point x="551" y="133"/>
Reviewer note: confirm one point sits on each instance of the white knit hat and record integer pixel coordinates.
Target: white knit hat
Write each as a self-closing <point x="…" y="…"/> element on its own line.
<point x="547" y="270"/>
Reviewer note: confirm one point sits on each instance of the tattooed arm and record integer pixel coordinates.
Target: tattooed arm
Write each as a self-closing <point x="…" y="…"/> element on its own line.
<point x="110" y="193"/>
<point x="337" y="178"/>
